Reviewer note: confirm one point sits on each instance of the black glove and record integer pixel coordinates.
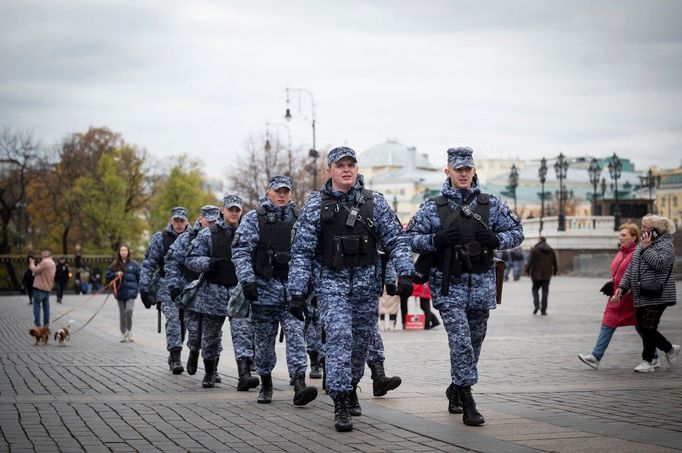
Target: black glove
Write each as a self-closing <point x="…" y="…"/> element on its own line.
<point x="175" y="292"/>
<point x="445" y="238"/>
<point x="146" y="299"/>
<point x="405" y="285"/>
<point x="297" y="307"/>
<point x="250" y="291"/>
<point x="214" y="262"/>
<point x="487" y="238"/>
<point x="391" y="289"/>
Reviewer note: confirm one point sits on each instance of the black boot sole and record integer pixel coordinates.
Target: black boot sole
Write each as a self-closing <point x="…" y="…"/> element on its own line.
<point x="474" y="422"/>
<point x="217" y="379"/>
<point x="245" y="386"/>
<point x="314" y="375"/>
<point x="266" y="400"/>
<point x="178" y="370"/>
<point x="384" y="389"/>
<point x="344" y="427"/>
<point x="305" y="396"/>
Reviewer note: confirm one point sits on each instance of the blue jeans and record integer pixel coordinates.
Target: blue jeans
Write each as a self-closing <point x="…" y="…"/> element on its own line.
<point x="604" y="339"/>
<point x="41" y="299"/>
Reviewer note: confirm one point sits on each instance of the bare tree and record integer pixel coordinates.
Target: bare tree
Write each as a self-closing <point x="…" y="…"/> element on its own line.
<point x="19" y="153"/>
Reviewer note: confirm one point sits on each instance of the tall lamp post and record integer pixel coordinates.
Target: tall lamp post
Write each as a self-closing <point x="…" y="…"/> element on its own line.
<point x="542" y="173"/>
<point x="561" y="169"/>
<point x="594" y="170"/>
<point x="287" y="116"/>
<point x="615" y="168"/>
<point x="651" y="181"/>
<point x="514" y="183"/>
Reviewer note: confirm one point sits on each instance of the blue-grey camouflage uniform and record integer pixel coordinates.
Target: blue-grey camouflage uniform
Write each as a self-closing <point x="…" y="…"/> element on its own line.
<point x="313" y="329"/>
<point x="153" y="260"/>
<point x="348" y="299"/>
<point x="175" y="278"/>
<point x="271" y="308"/>
<point x="465" y="310"/>
<point x="211" y="299"/>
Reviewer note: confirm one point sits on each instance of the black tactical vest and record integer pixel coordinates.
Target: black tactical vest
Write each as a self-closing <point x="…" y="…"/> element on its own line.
<point x="468" y="255"/>
<point x="223" y="273"/>
<point x="347" y="236"/>
<point x="168" y="238"/>
<point x="186" y="272"/>
<point x="272" y="254"/>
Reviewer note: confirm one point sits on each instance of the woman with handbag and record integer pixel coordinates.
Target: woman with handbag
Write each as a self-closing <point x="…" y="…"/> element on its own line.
<point x="616" y="314"/>
<point x="648" y="278"/>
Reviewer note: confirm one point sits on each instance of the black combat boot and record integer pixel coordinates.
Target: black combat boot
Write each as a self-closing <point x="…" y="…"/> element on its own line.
<point x="192" y="362"/>
<point x="353" y="402"/>
<point x="471" y="416"/>
<point x="246" y="381"/>
<point x="302" y="393"/>
<point x="217" y="379"/>
<point x="454" y="402"/>
<point x="315" y="370"/>
<point x="209" y="377"/>
<point x="265" y="394"/>
<point x="380" y="383"/>
<point x="174" y="361"/>
<point x="342" y="420"/>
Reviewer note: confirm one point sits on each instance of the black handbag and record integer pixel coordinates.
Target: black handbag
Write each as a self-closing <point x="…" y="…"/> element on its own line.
<point x="607" y="289"/>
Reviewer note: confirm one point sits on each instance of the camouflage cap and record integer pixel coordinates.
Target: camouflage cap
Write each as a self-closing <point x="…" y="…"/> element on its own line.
<point x="277" y="182"/>
<point x="210" y="212"/>
<point x="339" y="153"/>
<point x="461" y="157"/>
<point x="233" y="200"/>
<point x="179" y="212"/>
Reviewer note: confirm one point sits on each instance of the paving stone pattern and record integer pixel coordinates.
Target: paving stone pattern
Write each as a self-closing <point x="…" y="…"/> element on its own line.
<point x="97" y="394"/>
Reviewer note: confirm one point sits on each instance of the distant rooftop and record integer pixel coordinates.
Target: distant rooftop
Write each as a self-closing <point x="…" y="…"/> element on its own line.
<point x="391" y="153"/>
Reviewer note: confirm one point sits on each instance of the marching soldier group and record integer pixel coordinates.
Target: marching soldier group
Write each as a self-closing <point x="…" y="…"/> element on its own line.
<point x="318" y="273"/>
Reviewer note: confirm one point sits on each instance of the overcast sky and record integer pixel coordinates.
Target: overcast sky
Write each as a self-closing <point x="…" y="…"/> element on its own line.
<point x="508" y="78"/>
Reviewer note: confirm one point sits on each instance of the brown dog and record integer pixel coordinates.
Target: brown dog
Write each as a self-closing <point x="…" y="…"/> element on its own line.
<point x="62" y="335"/>
<point x="42" y="334"/>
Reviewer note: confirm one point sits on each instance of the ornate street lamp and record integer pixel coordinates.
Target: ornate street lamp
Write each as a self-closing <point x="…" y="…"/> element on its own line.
<point x="615" y="168"/>
<point x="651" y="181"/>
<point x="594" y="171"/>
<point x="542" y="173"/>
<point x="514" y="183"/>
<point x="313" y="153"/>
<point x="561" y="169"/>
<point x="602" y="186"/>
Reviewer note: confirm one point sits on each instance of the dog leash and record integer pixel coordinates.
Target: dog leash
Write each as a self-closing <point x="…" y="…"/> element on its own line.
<point x="114" y="284"/>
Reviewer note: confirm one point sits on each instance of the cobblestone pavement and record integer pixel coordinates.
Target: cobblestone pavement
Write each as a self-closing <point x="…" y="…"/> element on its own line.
<point x="97" y="394"/>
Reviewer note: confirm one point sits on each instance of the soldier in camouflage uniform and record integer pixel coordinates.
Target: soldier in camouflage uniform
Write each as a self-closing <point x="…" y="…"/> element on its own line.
<point x="210" y="253"/>
<point x="154" y="260"/>
<point x="261" y="250"/>
<point x="178" y="276"/>
<point x="459" y="231"/>
<point x="336" y="242"/>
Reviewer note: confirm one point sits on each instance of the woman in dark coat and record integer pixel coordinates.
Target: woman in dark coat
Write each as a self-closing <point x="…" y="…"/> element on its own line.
<point x="128" y="289"/>
<point x="651" y="266"/>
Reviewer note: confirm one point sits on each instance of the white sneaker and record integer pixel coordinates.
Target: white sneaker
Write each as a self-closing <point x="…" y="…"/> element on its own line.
<point x="124" y="338"/>
<point x="655" y="362"/>
<point x="129" y="336"/>
<point x="589" y="360"/>
<point x="644" y="367"/>
<point x="671" y="356"/>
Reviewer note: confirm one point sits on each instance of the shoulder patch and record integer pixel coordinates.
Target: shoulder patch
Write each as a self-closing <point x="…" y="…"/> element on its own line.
<point x="514" y="217"/>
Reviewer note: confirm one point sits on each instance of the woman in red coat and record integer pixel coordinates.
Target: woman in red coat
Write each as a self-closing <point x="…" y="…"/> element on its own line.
<point x="617" y="314"/>
<point x="424" y="294"/>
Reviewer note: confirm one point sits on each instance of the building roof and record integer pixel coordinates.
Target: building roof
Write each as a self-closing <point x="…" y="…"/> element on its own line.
<point x="391" y="153"/>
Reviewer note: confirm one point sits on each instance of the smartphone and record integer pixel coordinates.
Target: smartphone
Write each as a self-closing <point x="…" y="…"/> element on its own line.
<point x="654" y="234"/>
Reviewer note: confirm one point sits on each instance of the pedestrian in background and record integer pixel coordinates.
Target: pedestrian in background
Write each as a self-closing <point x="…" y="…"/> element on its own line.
<point x="617" y="313"/>
<point x="423" y="293"/>
<point x="27" y="280"/>
<point x="542" y="265"/>
<point x="61" y="278"/>
<point x="648" y="277"/>
<point x="128" y="288"/>
<point x="516" y="257"/>
<point x="42" y="285"/>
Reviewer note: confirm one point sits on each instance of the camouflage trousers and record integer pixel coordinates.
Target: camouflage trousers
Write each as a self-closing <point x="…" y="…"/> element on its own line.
<point x="266" y="320"/>
<point x="242" y="333"/>
<point x="205" y="331"/>
<point x="174" y="326"/>
<point x="466" y="330"/>
<point x="376" y="347"/>
<point x="349" y="324"/>
<point x="312" y="331"/>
